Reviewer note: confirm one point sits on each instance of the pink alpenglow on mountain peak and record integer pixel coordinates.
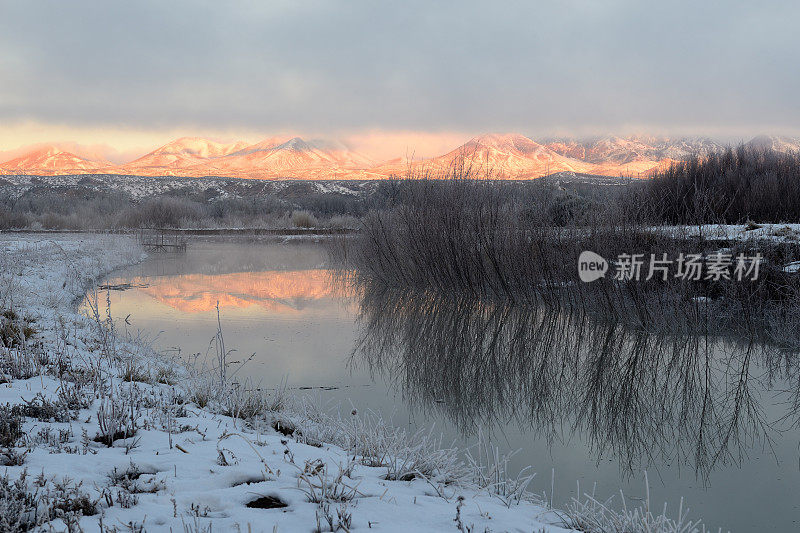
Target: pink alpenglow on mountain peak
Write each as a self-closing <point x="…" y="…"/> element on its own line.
<point x="180" y="154"/>
<point x="506" y="155"/>
<point x="50" y="160"/>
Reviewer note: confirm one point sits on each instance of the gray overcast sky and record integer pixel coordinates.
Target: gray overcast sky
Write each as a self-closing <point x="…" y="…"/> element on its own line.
<point x="534" y="67"/>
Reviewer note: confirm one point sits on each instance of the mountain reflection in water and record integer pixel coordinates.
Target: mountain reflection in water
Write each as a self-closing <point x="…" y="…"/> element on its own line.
<point x="637" y="396"/>
<point x="273" y="290"/>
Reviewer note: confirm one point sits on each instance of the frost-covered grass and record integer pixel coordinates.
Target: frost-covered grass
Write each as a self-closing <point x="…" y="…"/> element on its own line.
<point x="587" y="513"/>
<point x="99" y="432"/>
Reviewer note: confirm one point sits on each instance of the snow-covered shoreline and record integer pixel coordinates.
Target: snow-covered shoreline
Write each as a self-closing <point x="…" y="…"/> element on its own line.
<point x="182" y="466"/>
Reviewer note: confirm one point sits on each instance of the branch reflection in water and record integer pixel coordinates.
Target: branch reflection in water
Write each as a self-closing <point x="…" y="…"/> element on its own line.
<point x="637" y="396"/>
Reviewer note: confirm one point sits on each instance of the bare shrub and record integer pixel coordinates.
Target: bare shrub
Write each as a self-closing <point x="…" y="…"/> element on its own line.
<point x="116" y="418"/>
<point x="24" y="507"/>
<point x="343" y="222"/>
<point x="247" y="401"/>
<point x="303" y="219"/>
<point x="163" y="212"/>
<point x="13" y="219"/>
<point x="19" y="357"/>
<point x="320" y="486"/>
<point x="10" y="427"/>
<point x="732" y="186"/>
<point x="18" y="506"/>
<point x="16" y="363"/>
<point x="15" y="330"/>
<point x="44" y="409"/>
<point x="132" y="370"/>
<point x="131" y="480"/>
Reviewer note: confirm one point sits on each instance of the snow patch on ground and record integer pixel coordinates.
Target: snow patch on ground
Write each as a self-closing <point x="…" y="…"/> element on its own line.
<point x="735" y="232"/>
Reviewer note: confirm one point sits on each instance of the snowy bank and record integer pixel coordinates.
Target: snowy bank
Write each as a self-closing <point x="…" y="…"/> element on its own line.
<point x="100" y="433"/>
<point x="778" y="233"/>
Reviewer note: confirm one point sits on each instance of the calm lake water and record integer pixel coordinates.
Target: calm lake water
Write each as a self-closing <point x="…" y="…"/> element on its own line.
<point x="710" y="420"/>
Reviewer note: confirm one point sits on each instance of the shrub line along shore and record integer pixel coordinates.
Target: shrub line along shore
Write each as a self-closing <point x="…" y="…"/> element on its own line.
<point x="197" y="231"/>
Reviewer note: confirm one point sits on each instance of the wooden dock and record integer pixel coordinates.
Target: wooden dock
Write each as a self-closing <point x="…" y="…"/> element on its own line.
<point x="162" y="240"/>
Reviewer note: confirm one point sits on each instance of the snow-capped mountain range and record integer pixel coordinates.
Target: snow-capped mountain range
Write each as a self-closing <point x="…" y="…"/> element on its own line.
<point x="512" y="156"/>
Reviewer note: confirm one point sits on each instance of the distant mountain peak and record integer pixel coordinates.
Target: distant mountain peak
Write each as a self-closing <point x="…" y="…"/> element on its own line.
<point x="508" y="141"/>
<point x="774" y="142"/>
<point x="49" y="159"/>
<point x="261" y="146"/>
<point x="295" y="143"/>
<point x="197" y="147"/>
<point x="181" y="153"/>
<point x="507" y="144"/>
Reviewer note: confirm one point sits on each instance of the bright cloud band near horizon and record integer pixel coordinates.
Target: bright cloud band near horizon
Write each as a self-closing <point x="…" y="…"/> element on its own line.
<point x="394" y="77"/>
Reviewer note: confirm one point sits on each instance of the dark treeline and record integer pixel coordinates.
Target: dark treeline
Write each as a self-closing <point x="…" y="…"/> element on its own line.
<point x="93" y="204"/>
<point x="85" y="206"/>
<point x="500" y="241"/>
<point x="727" y="187"/>
<point x="471" y="238"/>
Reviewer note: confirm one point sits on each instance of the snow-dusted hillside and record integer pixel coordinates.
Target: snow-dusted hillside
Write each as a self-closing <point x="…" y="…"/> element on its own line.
<point x="143" y="187"/>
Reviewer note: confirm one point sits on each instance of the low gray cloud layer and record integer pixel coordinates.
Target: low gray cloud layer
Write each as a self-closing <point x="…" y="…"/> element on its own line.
<point x="328" y="66"/>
